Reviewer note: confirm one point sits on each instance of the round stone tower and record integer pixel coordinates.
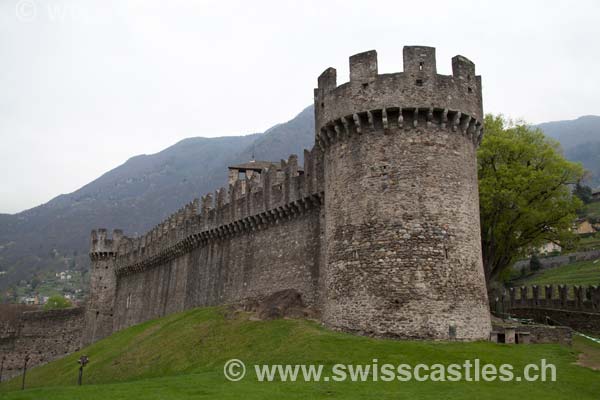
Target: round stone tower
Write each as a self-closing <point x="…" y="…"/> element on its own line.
<point x="403" y="249"/>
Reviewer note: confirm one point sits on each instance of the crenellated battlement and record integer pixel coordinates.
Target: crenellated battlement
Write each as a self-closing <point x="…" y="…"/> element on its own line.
<point x="379" y="231"/>
<point x="418" y="90"/>
<point x="560" y="297"/>
<point x="267" y="198"/>
<point x="101" y="246"/>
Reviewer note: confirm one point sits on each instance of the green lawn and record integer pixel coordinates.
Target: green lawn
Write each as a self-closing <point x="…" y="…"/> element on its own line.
<point x="581" y="273"/>
<point x="182" y="356"/>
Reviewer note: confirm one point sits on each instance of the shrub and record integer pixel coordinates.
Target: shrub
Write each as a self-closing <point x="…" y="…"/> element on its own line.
<point x="534" y="263"/>
<point x="56" y="302"/>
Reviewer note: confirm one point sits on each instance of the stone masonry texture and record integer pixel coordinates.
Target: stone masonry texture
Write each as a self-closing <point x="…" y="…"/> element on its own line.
<point x="403" y="255"/>
<point x="379" y="231"/>
<point x="41" y="335"/>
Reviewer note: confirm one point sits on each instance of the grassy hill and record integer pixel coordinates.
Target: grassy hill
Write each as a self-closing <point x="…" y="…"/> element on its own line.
<point x="588" y="242"/>
<point x="581" y="273"/>
<point x="182" y="356"/>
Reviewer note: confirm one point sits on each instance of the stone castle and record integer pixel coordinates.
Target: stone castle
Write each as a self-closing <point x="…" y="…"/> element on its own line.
<point x="379" y="231"/>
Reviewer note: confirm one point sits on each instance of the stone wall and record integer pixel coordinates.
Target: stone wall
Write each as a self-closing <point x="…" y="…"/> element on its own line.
<point x="577" y="320"/>
<point x="543" y="334"/>
<point x="103" y="283"/>
<point x="250" y="265"/>
<point x="379" y="231"/>
<point x="577" y="307"/>
<point x="538" y="333"/>
<point x="43" y="335"/>
<point x="403" y="255"/>
<point x="558" y="297"/>
<point x="203" y="253"/>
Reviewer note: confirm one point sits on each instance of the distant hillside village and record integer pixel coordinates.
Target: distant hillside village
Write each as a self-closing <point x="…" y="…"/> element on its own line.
<point x="69" y="284"/>
<point x="587" y="227"/>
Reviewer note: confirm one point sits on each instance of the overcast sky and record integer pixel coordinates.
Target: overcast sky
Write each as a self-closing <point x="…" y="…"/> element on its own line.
<point x="85" y="85"/>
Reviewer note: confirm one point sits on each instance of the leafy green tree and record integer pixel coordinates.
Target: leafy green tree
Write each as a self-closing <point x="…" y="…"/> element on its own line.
<point x="525" y="197"/>
<point x="56" y="302"/>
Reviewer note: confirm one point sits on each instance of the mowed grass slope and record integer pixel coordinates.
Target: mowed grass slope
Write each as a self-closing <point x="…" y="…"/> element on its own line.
<point x="182" y="356"/>
<point x="581" y="273"/>
<point x="589" y="242"/>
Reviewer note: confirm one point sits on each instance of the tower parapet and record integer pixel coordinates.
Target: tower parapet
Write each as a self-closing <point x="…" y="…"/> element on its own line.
<point x="103" y="246"/>
<point x="418" y="95"/>
<point x="403" y="252"/>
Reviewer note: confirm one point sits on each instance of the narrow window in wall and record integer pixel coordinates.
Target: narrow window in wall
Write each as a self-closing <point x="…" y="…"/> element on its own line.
<point x="421" y="66"/>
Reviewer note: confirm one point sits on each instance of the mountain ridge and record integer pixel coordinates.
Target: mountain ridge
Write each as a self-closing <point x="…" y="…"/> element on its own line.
<point x="147" y="188"/>
<point x="580" y="140"/>
<point x="135" y="196"/>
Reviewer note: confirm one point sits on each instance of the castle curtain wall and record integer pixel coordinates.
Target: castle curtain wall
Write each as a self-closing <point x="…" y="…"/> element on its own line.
<point x="284" y="255"/>
<point x="379" y="230"/>
<point x="42" y="335"/>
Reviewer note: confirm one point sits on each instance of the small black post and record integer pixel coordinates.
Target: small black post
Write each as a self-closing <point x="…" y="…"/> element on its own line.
<point x="24" y="371"/>
<point x="82" y="361"/>
<point x="2" y="367"/>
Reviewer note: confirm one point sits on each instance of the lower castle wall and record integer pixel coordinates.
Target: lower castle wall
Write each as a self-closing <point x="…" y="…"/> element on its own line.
<point x="43" y="335"/>
<point x="286" y="255"/>
<point x="579" y="321"/>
